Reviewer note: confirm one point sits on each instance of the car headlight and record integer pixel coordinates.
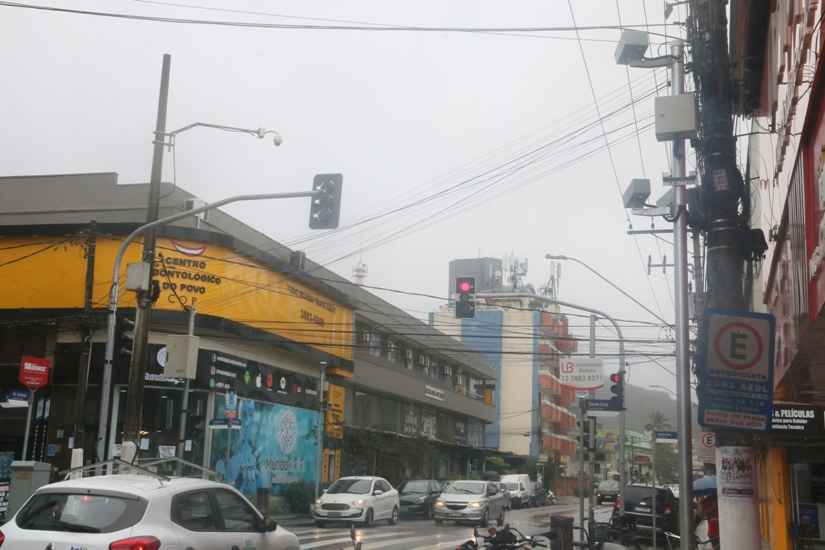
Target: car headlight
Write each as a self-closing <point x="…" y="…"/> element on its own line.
<point x="476" y="505"/>
<point x="318" y="502"/>
<point x="439" y="503"/>
<point x="358" y="503"/>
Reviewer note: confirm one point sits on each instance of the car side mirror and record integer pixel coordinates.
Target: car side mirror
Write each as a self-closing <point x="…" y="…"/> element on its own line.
<point x="378" y="492"/>
<point x="267" y="525"/>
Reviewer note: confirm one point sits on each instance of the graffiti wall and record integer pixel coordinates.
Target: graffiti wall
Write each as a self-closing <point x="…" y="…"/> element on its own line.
<point x="275" y="445"/>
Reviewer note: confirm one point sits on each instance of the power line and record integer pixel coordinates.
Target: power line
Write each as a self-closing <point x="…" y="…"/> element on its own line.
<point x="285" y="26"/>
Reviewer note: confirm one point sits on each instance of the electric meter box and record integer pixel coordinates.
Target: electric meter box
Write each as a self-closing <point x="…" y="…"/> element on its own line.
<point x="675" y="117"/>
<point x="27" y="476"/>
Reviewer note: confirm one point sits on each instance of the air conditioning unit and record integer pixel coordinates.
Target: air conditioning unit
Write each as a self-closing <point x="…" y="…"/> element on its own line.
<point x="191" y="204"/>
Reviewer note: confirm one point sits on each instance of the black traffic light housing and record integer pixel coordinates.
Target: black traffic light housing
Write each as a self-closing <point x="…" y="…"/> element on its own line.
<point x="124" y="336"/>
<point x="617" y="389"/>
<point x="465" y="305"/>
<point x="325" y="208"/>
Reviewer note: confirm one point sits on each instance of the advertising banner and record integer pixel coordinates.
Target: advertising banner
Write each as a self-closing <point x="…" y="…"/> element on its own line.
<point x="334" y="424"/>
<point x="581" y="373"/>
<point x="275" y="446"/>
<point x="735" y="472"/>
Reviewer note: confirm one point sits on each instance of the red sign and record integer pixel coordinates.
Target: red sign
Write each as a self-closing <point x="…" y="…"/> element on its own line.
<point x="34" y="372"/>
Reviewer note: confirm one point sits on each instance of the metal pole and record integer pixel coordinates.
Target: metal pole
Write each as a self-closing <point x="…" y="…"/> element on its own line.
<point x="582" y="420"/>
<point x="591" y="519"/>
<point x="680" y="261"/>
<point x="114" y="292"/>
<point x="622" y="370"/>
<point x="653" y="508"/>
<point x="698" y="277"/>
<point x="137" y="367"/>
<point x="184" y="407"/>
<point x="29" y="414"/>
<point x="321" y="410"/>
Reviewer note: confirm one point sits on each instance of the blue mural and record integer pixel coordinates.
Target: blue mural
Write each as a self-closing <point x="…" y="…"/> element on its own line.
<point x="275" y="445"/>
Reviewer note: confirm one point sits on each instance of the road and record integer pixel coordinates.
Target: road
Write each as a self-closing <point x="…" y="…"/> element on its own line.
<point x="420" y="534"/>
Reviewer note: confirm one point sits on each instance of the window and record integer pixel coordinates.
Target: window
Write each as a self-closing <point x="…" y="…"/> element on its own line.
<point x="447" y="372"/>
<point x="375" y="344"/>
<point x="193" y="511"/>
<point x="424" y="363"/>
<point x="410" y="359"/>
<point x="350" y="486"/>
<point x="383" y="485"/>
<point x="392" y="351"/>
<point x="238" y="516"/>
<point x="461" y="383"/>
<point x="86" y="513"/>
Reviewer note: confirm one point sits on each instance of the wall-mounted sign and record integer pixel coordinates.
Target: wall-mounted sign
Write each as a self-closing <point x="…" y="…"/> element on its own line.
<point x="736" y="371"/>
<point x="798" y="419"/>
<point x="434" y="393"/>
<point x="34" y="372"/>
<point x="581" y="373"/>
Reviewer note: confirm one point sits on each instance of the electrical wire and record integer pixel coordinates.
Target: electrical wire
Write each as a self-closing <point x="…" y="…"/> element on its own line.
<point x="284" y="26"/>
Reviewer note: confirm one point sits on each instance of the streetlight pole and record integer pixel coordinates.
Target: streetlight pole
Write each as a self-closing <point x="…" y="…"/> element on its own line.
<point x="103" y="419"/>
<point x="617" y="328"/>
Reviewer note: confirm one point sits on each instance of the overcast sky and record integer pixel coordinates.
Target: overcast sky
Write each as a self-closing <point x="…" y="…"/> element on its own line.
<point x="400" y="114"/>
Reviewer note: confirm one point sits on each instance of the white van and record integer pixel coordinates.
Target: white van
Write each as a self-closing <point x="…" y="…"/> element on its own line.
<point x="522" y="490"/>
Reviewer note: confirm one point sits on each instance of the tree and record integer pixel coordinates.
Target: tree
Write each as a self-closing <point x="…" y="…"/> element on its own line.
<point x="665" y="457"/>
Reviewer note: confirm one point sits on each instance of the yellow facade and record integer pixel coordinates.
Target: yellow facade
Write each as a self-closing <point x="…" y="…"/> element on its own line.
<point x="49" y="273"/>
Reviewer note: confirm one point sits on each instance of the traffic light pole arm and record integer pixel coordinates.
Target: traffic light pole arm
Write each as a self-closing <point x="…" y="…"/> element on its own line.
<point x="111" y="327"/>
<point x="602" y="314"/>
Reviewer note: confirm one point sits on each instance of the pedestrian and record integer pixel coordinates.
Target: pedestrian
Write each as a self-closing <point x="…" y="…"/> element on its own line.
<point x="708" y="528"/>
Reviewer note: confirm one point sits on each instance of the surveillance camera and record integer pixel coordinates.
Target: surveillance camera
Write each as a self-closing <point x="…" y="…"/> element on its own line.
<point x="636" y="193"/>
<point x="631" y="47"/>
<point x="277" y="140"/>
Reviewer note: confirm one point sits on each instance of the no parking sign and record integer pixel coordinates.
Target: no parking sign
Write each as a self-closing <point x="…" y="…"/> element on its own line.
<point x="736" y="371"/>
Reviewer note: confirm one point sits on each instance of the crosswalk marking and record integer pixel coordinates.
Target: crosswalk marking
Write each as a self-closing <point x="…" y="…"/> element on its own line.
<point x="436" y="545"/>
<point x="371" y="537"/>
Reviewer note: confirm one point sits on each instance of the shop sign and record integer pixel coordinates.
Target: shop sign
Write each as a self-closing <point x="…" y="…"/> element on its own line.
<point x="798" y="419"/>
<point x="336" y="395"/>
<point x="434" y="393"/>
<point x="735" y="472"/>
<point x="225" y="423"/>
<point x="641" y="460"/>
<point x="581" y="373"/>
<point x="736" y="371"/>
<point x="34" y="372"/>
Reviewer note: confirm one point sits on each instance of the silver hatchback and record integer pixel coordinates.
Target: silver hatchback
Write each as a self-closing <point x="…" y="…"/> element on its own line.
<point x="469" y="501"/>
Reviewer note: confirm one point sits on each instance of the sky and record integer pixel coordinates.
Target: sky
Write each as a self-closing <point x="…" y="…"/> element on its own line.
<point x="495" y="134"/>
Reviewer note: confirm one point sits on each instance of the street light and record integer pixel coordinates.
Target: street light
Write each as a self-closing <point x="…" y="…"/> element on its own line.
<point x="259" y="133"/>
<point x="115" y="291"/>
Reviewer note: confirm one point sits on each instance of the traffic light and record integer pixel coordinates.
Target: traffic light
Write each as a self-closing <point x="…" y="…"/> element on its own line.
<point x="325" y="209"/>
<point x="125" y="335"/>
<point x="588" y="428"/>
<point x="465" y="306"/>
<point x="617" y="389"/>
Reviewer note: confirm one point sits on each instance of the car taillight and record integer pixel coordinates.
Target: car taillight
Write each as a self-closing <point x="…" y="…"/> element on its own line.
<point x="668" y="509"/>
<point x="136" y="543"/>
<point x="2" y="538"/>
<point x="617" y="504"/>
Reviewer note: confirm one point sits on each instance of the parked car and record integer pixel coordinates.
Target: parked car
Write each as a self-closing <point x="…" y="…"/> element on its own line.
<point x="607" y="490"/>
<point x="131" y="512"/>
<point x="360" y="499"/>
<point x="522" y="490"/>
<point x="637" y="509"/>
<point x="470" y="501"/>
<point x="418" y="495"/>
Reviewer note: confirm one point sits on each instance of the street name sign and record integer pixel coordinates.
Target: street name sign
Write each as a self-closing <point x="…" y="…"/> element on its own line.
<point x="581" y="373"/>
<point x="736" y="371"/>
<point x="600" y="405"/>
<point x="666" y="436"/>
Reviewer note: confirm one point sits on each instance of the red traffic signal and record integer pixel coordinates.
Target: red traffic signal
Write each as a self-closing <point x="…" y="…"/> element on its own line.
<point x="616" y="378"/>
<point x="465" y="285"/>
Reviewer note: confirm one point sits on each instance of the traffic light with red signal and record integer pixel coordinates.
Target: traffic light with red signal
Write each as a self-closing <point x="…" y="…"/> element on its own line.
<point x="617" y="391"/>
<point x="465" y="306"/>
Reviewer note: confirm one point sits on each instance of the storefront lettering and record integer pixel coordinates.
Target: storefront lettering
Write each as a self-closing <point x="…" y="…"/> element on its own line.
<point x="312" y="298"/>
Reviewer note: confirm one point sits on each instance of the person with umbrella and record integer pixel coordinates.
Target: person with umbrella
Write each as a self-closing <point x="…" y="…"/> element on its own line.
<point x="704" y="489"/>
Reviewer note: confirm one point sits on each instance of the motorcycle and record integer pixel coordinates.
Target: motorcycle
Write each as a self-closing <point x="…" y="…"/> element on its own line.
<point x="506" y="538"/>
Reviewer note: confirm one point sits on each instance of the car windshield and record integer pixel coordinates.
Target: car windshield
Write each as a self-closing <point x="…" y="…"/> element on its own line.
<point x="415" y="486"/>
<point x="80" y="513"/>
<point x="350" y="485"/>
<point x="609" y="486"/>
<point x="465" y="487"/>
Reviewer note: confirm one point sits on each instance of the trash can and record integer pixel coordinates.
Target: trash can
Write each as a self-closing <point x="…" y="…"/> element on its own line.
<point x="27" y="476"/>
<point x="562" y="528"/>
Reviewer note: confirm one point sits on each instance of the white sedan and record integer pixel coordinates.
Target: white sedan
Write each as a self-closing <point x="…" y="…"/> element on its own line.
<point x="138" y="512"/>
<point x="358" y="499"/>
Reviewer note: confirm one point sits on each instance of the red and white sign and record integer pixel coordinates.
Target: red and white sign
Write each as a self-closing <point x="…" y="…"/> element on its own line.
<point x="581" y="373"/>
<point x="739" y="347"/>
<point x="34" y="372"/>
<point x="708" y="440"/>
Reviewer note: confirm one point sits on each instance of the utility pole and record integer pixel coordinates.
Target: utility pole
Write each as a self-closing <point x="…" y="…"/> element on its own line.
<point x="184" y="407"/>
<point x="593" y="425"/>
<point x="137" y="368"/>
<point x="582" y="453"/>
<point x="680" y="261"/>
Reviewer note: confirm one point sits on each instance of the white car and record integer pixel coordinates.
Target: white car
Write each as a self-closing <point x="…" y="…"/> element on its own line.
<point x="141" y="512"/>
<point x="358" y="500"/>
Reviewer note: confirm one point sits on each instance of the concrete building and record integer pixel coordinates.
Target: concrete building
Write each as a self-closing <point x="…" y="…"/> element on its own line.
<point x="398" y="393"/>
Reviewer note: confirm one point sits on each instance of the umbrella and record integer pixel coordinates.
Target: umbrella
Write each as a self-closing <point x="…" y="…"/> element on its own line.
<point x="704" y="486"/>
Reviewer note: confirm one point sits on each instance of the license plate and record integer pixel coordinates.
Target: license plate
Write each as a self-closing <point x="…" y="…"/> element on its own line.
<point x="334" y="514"/>
<point x="642" y="509"/>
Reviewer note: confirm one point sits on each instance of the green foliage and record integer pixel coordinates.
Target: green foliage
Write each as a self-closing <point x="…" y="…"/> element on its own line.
<point x="299" y="496"/>
<point x="667" y="463"/>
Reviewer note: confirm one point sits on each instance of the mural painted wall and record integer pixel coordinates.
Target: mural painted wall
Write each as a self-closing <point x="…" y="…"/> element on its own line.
<point x="275" y="445"/>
